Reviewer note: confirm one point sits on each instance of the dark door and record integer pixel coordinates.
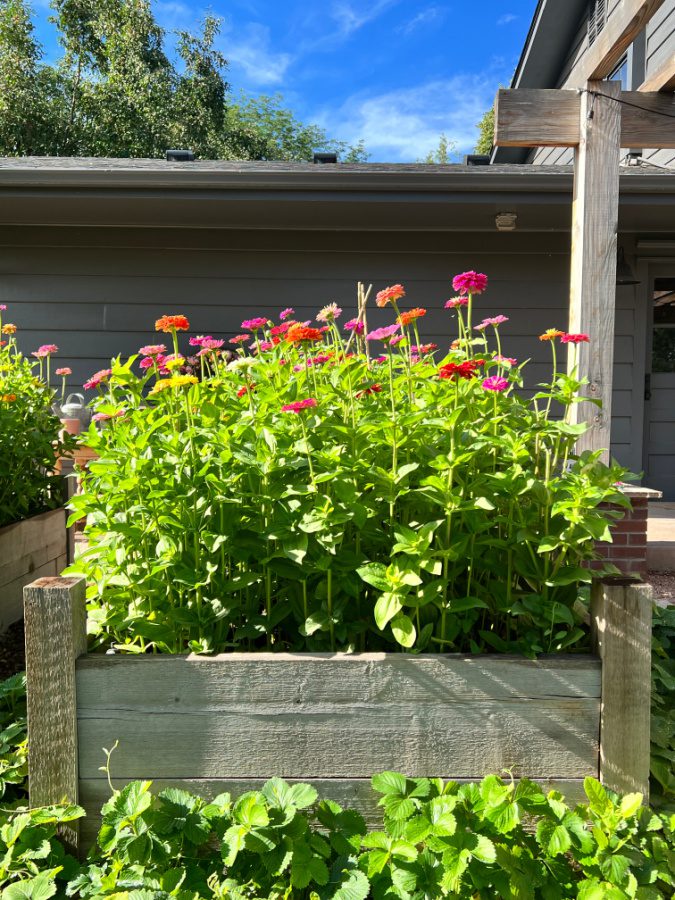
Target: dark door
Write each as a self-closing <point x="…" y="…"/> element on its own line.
<point x="660" y="392"/>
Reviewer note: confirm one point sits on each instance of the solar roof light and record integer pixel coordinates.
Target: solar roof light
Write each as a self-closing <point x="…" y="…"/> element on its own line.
<point x="180" y="156"/>
<point x="322" y="158"/>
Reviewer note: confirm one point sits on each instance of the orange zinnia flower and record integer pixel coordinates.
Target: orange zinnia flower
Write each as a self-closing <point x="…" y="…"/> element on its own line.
<point x="9" y="329"/>
<point x="395" y="292"/>
<point x="551" y="334"/>
<point x="8" y="398"/>
<point x="297" y="333"/>
<point x="172" y="323"/>
<point x="407" y="317"/>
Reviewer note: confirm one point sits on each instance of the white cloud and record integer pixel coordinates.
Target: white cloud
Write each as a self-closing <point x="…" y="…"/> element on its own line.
<point x="506" y="19"/>
<point x="404" y="125"/>
<point x="351" y="16"/>
<point x="425" y="17"/>
<point x="248" y="49"/>
<point x="173" y="13"/>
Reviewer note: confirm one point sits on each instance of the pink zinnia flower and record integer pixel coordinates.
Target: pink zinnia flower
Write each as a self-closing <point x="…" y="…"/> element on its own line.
<point x="64" y="371"/>
<point x="45" y="350"/>
<point x="380" y="359"/>
<point x="267" y="345"/>
<point x="254" y="324"/>
<point x="329" y="313"/>
<point x="506" y="360"/>
<point x="2" y="307"/>
<point x="105" y="417"/>
<point x="285" y="313"/>
<point x="383" y="334"/>
<point x="396" y="339"/>
<point x="393" y="293"/>
<point x="152" y="350"/>
<point x="575" y="339"/>
<point x="495" y="383"/>
<point x="469" y="283"/>
<point x="481" y="326"/>
<point x="210" y="343"/>
<point x="240" y="339"/>
<point x="496" y="320"/>
<point x="354" y="325"/>
<point x="457" y="301"/>
<point x="299" y="405"/>
<point x="423" y="349"/>
<point x="149" y="361"/>
<point x="97" y="378"/>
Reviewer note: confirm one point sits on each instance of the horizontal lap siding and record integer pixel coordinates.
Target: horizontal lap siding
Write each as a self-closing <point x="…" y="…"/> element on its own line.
<point x="660" y="47"/>
<point x="98" y="301"/>
<point x="215" y="722"/>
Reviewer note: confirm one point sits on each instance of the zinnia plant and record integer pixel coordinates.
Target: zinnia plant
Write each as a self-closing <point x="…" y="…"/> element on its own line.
<point x="308" y="496"/>
<point x="29" y="431"/>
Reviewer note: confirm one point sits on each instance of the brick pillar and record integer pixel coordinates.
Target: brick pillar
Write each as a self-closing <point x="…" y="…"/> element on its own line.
<point x="628" y="551"/>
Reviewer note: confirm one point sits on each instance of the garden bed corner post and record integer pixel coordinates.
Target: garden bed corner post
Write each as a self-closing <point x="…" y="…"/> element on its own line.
<point x="621" y="622"/>
<point x="55" y="623"/>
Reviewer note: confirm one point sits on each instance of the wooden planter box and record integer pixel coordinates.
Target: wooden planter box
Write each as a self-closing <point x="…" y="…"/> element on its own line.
<point x="230" y="722"/>
<point x="29" y="549"/>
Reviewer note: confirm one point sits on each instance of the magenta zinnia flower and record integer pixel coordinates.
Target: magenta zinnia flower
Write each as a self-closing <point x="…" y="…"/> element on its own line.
<point x="469" y="283"/>
<point x="354" y="325"/>
<point x="285" y="313"/>
<point x="495" y="383"/>
<point x="253" y="324"/>
<point x="299" y="405"/>
<point x="383" y="334"/>
<point x="149" y="361"/>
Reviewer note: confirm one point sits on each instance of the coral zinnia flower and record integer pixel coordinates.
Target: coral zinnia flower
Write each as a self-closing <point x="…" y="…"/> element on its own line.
<point x="495" y="383"/>
<point x="469" y="283"/>
<point x="152" y="350"/>
<point x="407" y="317"/>
<point x="299" y="333"/>
<point x="45" y="350"/>
<point x="240" y="339"/>
<point x="9" y="329"/>
<point x="65" y="371"/>
<point x="299" y="405"/>
<point x="575" y="339"/>
<point x="97" y="378"/>
<point x="395" y="292"/>
<point x="172" y="323"/>
<point x="457" y="301"/>
<point x="551" y="334"/>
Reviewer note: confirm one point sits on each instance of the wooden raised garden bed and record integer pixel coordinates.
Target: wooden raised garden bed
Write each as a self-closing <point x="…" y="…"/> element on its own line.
<point x="230" y="722"/>
<point x="29" y="549"/>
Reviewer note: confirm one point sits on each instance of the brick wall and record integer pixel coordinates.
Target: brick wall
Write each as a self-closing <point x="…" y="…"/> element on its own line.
<point x="628" y="550"/>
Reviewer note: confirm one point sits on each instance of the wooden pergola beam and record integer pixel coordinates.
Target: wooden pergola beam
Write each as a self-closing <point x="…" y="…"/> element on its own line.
<point x="548" y="118"/>
<point x="663" y="79"/>
<point x="624" y="24"/>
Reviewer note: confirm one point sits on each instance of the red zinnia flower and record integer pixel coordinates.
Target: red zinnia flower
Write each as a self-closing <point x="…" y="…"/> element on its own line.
<point x="299" y="405"/>
<point x="574" y="339"/>
<point x="373" y="389"/>
<point x="172" y="323"/>
<point x="465" y="369"/>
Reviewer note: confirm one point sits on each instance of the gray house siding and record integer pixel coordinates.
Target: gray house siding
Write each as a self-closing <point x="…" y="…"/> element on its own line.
<point x="659" y="45"/>
<point x="97" y="292"/>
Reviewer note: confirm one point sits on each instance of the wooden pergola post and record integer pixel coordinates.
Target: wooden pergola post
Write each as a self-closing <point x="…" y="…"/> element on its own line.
<point x="596" y="121"/>
<point x="595" y="223"/>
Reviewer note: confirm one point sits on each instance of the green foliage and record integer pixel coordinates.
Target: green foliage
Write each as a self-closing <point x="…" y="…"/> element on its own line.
<point x="663" y="708"/>
<point x="486" y="129"/>
<point x="406" y="508"/>
<point x="116" y="92"/>
<point x="29" y="438"/>
<point x="443" y="154"/>
<point x="13" y="740"/>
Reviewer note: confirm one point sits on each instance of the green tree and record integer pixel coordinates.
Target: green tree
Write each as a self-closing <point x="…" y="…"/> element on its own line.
<point x="444" y="154"/>
<point x="486" y="129"/>
<point x="116" y="92"/>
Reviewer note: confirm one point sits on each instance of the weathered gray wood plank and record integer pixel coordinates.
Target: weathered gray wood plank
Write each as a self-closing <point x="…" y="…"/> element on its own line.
<point x="11" y="594"/>
<point x="32" y="534"/>
<point x="338" y="716"/>
<point x="55" y="619"/>
<point x="621" y="618"/>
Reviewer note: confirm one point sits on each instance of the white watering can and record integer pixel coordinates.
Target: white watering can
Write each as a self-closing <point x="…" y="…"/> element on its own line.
<point x="74" y="414"/>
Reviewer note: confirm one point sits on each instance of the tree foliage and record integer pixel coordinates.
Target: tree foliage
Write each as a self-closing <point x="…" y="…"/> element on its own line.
<point x="486" y="128"/>
<point x="444" y="154"/>
<point x="116" y="91"/>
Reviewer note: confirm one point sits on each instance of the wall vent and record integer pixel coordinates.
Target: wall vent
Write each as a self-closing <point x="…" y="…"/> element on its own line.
<point x="597" y="19"/>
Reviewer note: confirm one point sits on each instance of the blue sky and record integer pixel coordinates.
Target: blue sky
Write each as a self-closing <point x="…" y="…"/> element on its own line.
<point x="392" y="72"/>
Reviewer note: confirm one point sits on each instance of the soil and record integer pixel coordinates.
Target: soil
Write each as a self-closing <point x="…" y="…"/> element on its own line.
<point x="664" y="587"/>
<point x="12" y="658"/>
